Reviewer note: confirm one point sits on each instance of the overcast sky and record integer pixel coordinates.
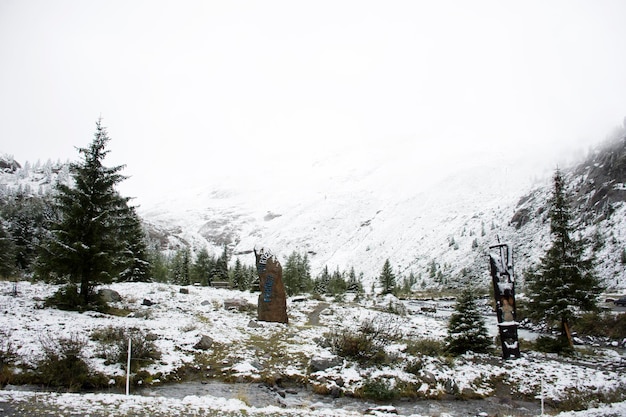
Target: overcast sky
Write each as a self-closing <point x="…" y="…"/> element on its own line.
<point x="245" y="89"/>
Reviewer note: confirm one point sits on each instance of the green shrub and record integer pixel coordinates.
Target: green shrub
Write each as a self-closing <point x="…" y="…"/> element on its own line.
<point x="549" y="344"/>
<point x="413" y="366"/>
<point x="366" y="344"/>
<point x="114" y="346"/>
<point x="7" y="357"/>
<point x="143" y="349"/>
<point x="602" y="325"/>
<point x="378" y="389"/>
<point x="426" y="346"/>
<point x="63" y="364"/>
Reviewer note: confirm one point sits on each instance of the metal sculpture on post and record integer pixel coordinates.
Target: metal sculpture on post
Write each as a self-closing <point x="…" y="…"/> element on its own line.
<point x="272" y="304"/>
<point x="501" y="264"/>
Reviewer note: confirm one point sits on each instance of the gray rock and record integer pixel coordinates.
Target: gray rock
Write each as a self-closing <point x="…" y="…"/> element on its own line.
<point x="147" y="302"/>
<point x="319" y="363"/>
<point x="205" y="303"/>
<point x="253" y="324"/>
<point x="450" y="386"/>
<point x="238" y="304"/>
<point x="205" y="343"/>
<point x="109" y="296"/>
<point x="429" y="378"/>
<point x="184" y="291"/>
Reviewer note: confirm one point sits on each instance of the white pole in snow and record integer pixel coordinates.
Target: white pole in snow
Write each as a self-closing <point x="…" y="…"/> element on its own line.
<point x="542" y="396"/>
<point x="128" y="370"/>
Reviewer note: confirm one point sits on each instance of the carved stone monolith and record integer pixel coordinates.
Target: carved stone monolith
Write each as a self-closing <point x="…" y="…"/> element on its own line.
<point x="273" y="298"/>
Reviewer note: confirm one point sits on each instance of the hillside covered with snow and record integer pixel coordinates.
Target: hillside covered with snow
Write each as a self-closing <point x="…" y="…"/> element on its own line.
<point x="357" y="210"/>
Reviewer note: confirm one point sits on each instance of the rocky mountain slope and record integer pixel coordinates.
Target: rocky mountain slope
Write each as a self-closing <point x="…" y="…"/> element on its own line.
<point x="437" y="223"/>
<point x="441" y="232"/>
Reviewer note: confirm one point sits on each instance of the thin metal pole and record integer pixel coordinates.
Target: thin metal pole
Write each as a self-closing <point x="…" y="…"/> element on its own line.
<point x="128" y="370"/>
<point x="542" y="395"/>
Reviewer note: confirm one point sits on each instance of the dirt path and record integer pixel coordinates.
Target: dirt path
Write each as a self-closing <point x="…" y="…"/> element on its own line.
<point x="314" y="316"/>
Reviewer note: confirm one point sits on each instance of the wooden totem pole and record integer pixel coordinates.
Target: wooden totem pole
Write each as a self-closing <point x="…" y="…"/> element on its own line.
<point x="501" y="265"/>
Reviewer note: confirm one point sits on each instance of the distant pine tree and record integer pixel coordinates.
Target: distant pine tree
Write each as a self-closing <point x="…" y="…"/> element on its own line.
<point x="137" y="265"/>
<point x="563" y="284"/>
<point x="240" y="277"/>
<point x="337" y="284"/>
<point x="7" y="254"/>
<point x="466" y="328"/>
<point x="322" y="282"/>
<point x="387" y="278"/>
<point x="291" y="274"/>
<point x="202" y="267"/>
<point x="181" y="268"/>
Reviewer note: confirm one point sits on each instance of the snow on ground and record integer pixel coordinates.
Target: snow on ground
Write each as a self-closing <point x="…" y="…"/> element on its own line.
<point x="247" y="350"/>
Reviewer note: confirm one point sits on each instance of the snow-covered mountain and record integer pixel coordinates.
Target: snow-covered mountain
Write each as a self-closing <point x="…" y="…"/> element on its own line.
<point x="437" y="222"/>
<point x="439" y="227"/>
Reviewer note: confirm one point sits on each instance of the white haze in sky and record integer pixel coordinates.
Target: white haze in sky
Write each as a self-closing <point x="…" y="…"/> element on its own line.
<point x="200" y="92"/>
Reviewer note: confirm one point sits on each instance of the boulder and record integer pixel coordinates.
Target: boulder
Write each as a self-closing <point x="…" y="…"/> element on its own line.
<point x="253" y="324"/>
<point x="321" y="363"/>
<point x="184" y="291"/>
<point x="147" y="302"/>
<point x="109" y="296"/>
<point x="238" y="304"/>
<point x="205" y="343"/>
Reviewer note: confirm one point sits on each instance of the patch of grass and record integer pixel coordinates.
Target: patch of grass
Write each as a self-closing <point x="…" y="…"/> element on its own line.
<point x="118" y="312"/>
<point x="575" y="399"/>
<point x="426" y="346"/>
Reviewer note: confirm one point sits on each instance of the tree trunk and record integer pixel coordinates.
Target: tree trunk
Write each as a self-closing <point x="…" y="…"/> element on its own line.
<point x="566" y="334"/>
<point x="84" y="290"/>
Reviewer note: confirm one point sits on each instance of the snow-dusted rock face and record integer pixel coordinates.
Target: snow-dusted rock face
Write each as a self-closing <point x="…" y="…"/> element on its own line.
<point x="8" y="164"/>
<point x="441" y="232"/>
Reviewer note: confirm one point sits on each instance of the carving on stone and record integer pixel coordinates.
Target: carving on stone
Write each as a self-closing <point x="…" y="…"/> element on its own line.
<point x="272" y="305"/>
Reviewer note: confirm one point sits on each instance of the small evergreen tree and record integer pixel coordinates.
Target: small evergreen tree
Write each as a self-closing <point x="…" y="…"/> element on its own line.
<point x="337" y="285"/>
<point x="181" y="267"/>
<point x="202" y="267"/>
<point x="159" y="265"/>
<point x="387" y="278"/>
<point x="321" y="283"/>
<point x="137" y="265"/>
<point x="85" y="246"/>
<point x="291" y="274"/>
<point x="466" y="328"/>
<point x="220" y="271"/>
<point x="7" y="253"/>
<point x="354" y="284"/>
<point x="240" y="277"/>
<point x="563" y="284"/>
<point x="304" y="271"/>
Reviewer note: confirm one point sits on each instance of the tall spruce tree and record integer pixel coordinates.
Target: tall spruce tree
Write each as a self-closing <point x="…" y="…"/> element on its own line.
<point x="563" y="284"/>
<point x="86" y="246"/>
<point x="387" y="278"/>
<point x="466" y="328"/>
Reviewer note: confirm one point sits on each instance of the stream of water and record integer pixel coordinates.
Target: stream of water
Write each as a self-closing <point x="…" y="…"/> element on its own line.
<point x="260" y="395"/>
